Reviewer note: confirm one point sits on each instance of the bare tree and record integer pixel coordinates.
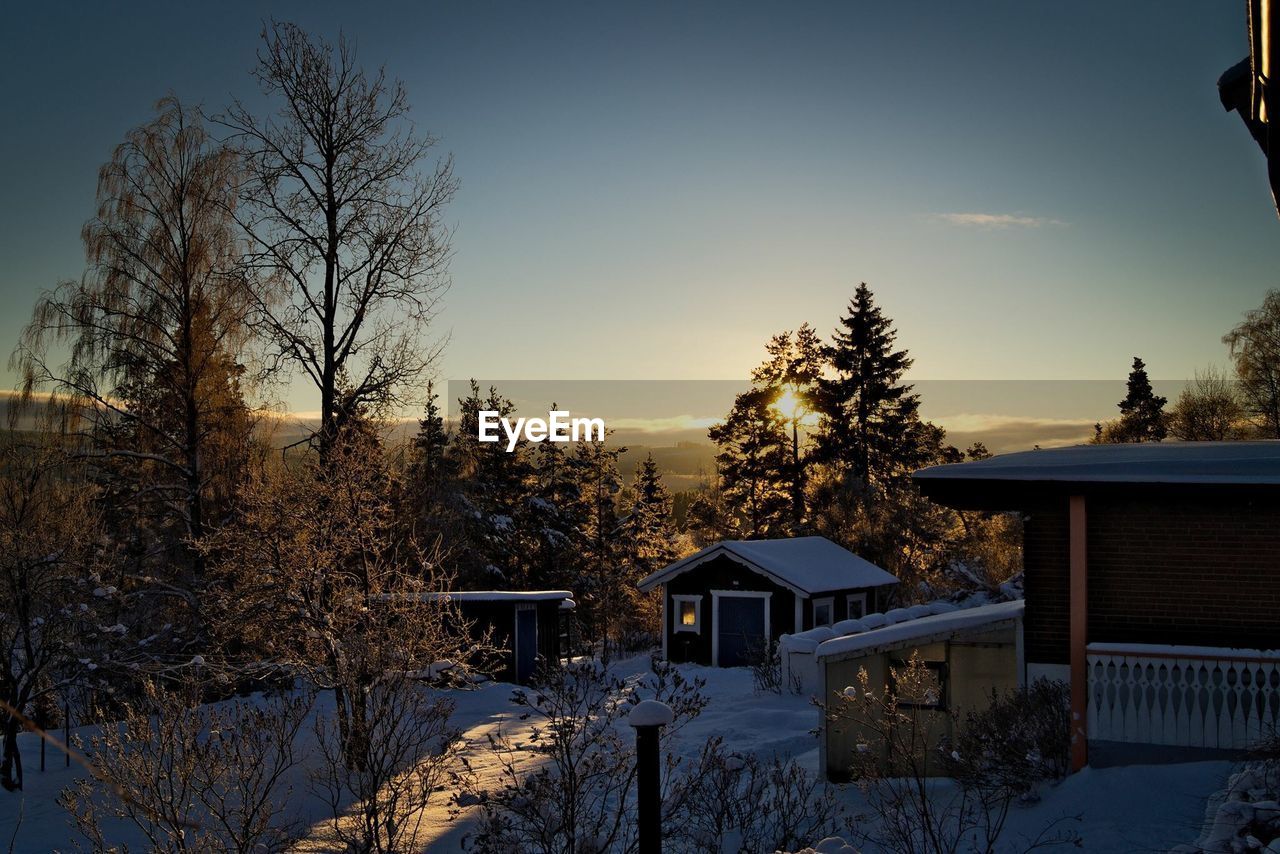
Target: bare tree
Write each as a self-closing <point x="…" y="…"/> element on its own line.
<point x="194" y="777"/>
<point x="343" y="215"/>
<point x="1255" y="347"/>
<point x="1208" y="409"/>
<point x="152" y="383"/>
<point x="49" y="613"/>
<point x="318" y="580"/>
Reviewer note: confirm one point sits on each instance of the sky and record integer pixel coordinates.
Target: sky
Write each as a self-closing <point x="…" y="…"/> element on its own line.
<point x="650" y="190"/>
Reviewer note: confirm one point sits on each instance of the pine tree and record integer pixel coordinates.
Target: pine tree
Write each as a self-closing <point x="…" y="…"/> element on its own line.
<point x="647" y="532"/>
<point x="871" y="428"/>
<point x="495" y="485"/>
<point x="795" y="359"/>
<point x="1142" y="416"/>
<point x="601" y="580"/>
<point x="791" y="375"/>
<point x="755" y="464"/>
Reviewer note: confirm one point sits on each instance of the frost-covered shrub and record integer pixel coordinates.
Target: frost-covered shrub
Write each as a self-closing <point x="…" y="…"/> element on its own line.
<point x="766" y="666"/>
<point x="194" y="777"/>
<point x="1023" y="737"/>
<point x="388" y="764"/>
<point x="894" y="765"/>
<point x="567" y="782"/>
<point x="727" y="802"/>
<point x="1246" y="815"/>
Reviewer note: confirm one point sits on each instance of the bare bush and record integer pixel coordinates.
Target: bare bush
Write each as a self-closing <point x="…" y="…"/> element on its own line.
<point x="564" y="785"/>
<point x="730" y="802"/>
<point x="193" y="777"/>
<point x="766" y="666"/>
<point x="1023" y="737"/>
<point x="379" y="796"/>
<point x="896" y="764"/>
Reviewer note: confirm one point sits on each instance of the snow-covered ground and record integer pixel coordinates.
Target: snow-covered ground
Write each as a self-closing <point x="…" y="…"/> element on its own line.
<point x="1136" y="808"/>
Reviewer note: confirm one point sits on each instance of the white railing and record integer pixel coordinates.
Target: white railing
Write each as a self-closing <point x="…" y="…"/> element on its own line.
<point x="1183" y="696"/>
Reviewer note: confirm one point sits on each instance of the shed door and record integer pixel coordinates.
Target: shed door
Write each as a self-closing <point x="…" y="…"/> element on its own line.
<point x="526" y="641"/>
<point x="740" y="629"/>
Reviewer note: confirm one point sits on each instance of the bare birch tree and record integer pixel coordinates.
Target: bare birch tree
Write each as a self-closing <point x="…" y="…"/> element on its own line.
<point x="345" y="215"/>
<point x="150" y="381"/>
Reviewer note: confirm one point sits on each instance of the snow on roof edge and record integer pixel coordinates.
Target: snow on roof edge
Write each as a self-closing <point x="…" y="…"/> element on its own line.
<point x="749" y="553"/>
<point x="1204" y="463"/>
<point x="908" y="630"/>
<point x="495" y="595"/>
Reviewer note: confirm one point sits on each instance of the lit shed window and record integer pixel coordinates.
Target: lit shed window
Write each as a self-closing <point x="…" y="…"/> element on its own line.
<point x="687" y="613"/>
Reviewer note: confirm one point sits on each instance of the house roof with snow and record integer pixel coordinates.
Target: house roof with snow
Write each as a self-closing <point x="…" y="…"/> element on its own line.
<point x="1195" y="465"/>
<point x="805" y="565"/>
<point x="922" y="630"/>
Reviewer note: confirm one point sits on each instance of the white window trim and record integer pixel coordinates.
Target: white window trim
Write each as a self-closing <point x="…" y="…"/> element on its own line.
<point x="830" y="602"/>
<point x="715" y="616"/>
<point x="849" y="600"/>
<point x="696" y="599"/>
<point x="663" y="588"/>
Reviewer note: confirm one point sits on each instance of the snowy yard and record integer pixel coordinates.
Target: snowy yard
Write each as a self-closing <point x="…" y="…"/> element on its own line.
<point x="1123" y="809"/>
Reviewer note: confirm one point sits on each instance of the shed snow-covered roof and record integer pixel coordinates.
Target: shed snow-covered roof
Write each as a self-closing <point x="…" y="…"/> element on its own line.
<point x="1254" y="465"/>
<point x="922" y="630"/>
<point x="496" y="596"/>
<point x="806" y="565"/>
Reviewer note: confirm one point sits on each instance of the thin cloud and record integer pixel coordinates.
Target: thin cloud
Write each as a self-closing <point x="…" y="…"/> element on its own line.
<point x="986" y="220"/>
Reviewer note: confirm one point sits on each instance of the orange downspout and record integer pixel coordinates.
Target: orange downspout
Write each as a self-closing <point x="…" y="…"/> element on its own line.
<point x="1079" y="635"/>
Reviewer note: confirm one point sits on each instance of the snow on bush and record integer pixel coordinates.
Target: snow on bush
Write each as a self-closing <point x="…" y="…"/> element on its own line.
<point x="1243" y="817"/>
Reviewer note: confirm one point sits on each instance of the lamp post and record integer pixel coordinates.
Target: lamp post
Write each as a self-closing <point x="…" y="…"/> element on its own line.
<point x="648" y="718"/>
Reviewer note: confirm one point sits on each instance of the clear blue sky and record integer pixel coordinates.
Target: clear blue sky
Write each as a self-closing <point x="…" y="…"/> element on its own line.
<point x="651" y="190"/>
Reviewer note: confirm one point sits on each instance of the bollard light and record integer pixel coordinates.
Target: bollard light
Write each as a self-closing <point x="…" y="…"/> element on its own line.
<point x="649" y="717"/>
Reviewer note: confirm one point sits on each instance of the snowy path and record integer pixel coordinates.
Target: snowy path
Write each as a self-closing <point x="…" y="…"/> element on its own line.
<point x="1137" y="808"/>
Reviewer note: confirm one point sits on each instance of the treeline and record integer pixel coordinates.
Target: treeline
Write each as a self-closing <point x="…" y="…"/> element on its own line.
<point x="157" y="540"/>
<point x="1215" y="406"/>
<point x="152" y="536"/>
<point x="549" y="515"/>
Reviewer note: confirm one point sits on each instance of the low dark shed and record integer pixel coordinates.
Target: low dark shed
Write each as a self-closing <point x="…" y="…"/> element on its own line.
<point x="722" y="605"/>
<point x="524" y="626"/>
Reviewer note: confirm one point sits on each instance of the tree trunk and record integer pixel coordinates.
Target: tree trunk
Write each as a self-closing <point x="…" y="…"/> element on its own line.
<point x="11" y="766"/>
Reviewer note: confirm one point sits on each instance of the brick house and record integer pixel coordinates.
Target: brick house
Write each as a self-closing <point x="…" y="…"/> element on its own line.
<point x="1151" y="583"/>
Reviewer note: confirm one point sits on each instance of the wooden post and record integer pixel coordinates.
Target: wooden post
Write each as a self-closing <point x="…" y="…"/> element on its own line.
<point x="648" y="718"/>
<point x="1079" y="620"/>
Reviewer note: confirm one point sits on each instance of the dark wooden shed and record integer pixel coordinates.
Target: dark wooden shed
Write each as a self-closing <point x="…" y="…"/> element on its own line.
<point x="722" y="605"/>
<point x="524" y="626"/>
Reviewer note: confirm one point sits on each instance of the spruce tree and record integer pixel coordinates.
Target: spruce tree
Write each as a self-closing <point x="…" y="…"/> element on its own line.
<point x="755" y="464"/>
<point x="495" y="483"/>
<point x="553" y="519"/>
<point x="1142" y="417"/>
<point x="647" y="533"/>
<point x="601" y="581"/>
<point x="791" y="375"/>
<point x="871" y="427"/>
